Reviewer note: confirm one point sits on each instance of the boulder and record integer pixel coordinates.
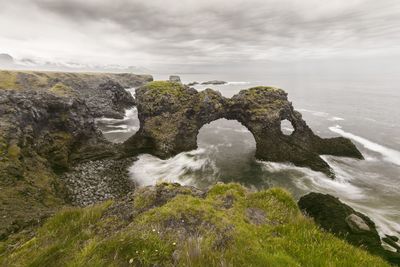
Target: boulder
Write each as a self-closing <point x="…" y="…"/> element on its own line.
<point x="192" y="83"/>
<point x="214" y="82"/>
<point x="175" y="78"/>
<point x="342" y="220"/>
<point x="171" y="115"/>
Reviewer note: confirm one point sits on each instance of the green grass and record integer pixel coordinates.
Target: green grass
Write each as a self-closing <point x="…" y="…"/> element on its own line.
<point x="8" y="80"/>
<point x="188" y="231"/>
<point x="62" y="90"/>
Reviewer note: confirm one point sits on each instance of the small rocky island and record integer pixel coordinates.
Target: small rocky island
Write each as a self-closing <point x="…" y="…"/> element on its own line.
<point x="66" y="197"/>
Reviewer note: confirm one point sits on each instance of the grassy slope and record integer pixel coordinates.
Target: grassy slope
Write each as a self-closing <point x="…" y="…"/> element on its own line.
<point x="45" y="80"/>
<point x="189" y="230"/>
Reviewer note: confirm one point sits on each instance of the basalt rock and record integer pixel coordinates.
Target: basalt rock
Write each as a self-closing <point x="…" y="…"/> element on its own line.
<point x="175" y="78"/>
<point x="214" y="82"/>
<point x="342" y="220"/>
<point x="109" y="100"/>
<point x="172" y="114"/>
<point x="103" y="92"/>
<point x="41" y="135"/>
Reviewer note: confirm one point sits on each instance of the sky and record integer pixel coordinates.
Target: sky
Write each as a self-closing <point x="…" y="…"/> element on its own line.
<point x="192" y="34"/>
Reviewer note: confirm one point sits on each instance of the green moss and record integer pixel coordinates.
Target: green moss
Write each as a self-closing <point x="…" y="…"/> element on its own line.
<point x="62" y="90"/>
<point x="165" y="88"/>
<point x="189" y="231"/>
<point x="258" y="89"/>
<point x="14" y="151"/>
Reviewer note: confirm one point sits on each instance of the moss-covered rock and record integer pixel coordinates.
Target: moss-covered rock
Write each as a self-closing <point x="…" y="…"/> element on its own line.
<point x="171" y="115"/>
<point x="103" y="92"/>
<point x="184" y="229"/>
<point x="40" y="135"/>
<point x="342" y="220"/>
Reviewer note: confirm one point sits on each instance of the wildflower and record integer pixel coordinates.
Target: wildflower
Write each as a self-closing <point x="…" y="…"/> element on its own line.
<point x="131" y="261"/>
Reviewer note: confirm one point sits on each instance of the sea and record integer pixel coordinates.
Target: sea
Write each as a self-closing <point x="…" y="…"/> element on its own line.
<point x="363" y="108"/>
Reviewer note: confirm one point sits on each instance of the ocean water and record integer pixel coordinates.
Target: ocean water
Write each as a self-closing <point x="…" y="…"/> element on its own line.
<point x="365" y="109"/>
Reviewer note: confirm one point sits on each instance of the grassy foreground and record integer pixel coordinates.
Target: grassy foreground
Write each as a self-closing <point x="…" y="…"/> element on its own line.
<point x="230" y="226"/>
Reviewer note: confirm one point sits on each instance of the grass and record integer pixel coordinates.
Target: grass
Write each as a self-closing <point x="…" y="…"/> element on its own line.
<point x="188" y="231"/>
<point x="62" y="90"/>
<point x="8" y="80"/>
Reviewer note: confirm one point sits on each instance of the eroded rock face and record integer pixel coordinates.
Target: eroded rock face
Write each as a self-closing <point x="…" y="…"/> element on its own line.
<point x="109" y="100"/>
<point x="342" y="220"/>
<point x="103" y="92"/>
<point x="40" y="136"/>
<point x="172" y="114"/>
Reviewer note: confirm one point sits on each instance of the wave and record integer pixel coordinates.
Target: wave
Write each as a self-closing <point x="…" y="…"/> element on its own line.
<point x="336" y="119"/>
<point x="238" y="83"/>
<point x="321" y="114"/>
<point x="388" y="154"/>
<point x="132" y="91"/>
<point x="149" y="170"/>
<point x="126" y="130"/>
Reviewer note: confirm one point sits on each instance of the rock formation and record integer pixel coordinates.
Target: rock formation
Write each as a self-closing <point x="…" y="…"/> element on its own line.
<point x="342" y="220"/>
<point x="214" y="82"/>
<point x="109" y="100"/>
<point x="172" y="114"/>
<point x="175" y="78"/>
<point x="103" y="92"/>
<point x="41" y="135"/>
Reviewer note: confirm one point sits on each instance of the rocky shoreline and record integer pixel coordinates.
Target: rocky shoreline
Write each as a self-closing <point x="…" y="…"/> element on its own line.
<point x="53" y="156"/>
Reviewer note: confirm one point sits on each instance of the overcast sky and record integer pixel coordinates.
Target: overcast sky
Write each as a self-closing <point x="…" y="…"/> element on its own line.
<point x="198" y="32"/>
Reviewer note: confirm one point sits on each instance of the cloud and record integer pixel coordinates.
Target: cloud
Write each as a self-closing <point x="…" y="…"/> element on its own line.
<point x="199" y="32"/>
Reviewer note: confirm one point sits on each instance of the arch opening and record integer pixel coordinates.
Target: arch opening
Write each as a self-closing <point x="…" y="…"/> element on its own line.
<point x="287" y="127"/>
<point x="231" y="147"/>
<point x="119" y="130"/>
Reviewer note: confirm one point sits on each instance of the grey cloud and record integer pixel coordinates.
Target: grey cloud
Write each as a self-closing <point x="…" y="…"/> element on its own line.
<point x="236" y="30"/>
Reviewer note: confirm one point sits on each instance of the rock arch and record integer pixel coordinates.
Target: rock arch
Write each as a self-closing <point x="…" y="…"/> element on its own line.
<point x="172" y="114"/>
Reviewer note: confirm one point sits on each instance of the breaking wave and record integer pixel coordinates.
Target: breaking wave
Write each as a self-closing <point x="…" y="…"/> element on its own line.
<point x="185" y="168"/>
<point x="388" y="154"/>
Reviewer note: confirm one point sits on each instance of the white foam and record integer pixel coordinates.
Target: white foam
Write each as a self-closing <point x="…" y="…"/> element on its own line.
<point x="132" y="91"/>
<point x="336" y="119"/>
<point x="317" y="181"/>
<point x="127" y="130"/>
<point x="388" y="154"/>
<point x="238" y="83"/>
<point x="149" y="170"/>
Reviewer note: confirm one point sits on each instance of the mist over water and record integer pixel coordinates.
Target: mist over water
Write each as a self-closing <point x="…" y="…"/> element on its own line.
<point x="363" y="109"/>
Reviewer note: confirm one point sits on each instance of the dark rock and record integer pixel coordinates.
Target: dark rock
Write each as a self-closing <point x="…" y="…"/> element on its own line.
<point x="192" y="83"/>
<point x="214" y="82"/>
<point x="342" y="220"/>
<point x="175" y="78"/>
<point x="391" y="243"/>
<point x="109" y="100"/>
<point x="41" y="136"/>
<point x="392" y="237"/>
<point x="172" y="114"/>
<point x="103" y="92"/>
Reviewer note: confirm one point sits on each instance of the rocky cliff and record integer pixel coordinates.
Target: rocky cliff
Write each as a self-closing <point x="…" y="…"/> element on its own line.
<point x="103" y="92"/>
